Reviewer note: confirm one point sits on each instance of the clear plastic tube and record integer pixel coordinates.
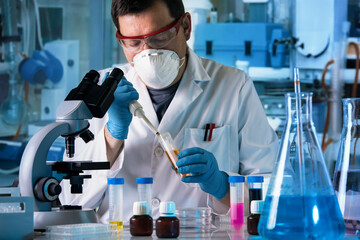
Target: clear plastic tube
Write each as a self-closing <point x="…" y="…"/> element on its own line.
<point x="116" y="186"/>
<point x="237" y="201"/>
<point x="144" y="185"/>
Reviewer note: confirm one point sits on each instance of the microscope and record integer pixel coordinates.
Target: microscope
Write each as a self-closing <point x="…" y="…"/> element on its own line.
<point x="87" y="100"/>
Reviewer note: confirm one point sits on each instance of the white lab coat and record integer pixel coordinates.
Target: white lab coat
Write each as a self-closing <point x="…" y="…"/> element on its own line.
<point x="209" y="92"/>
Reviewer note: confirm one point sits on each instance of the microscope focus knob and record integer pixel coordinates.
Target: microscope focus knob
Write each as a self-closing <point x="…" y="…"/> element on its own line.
<point x="54" y="189"/>
<point x="47" y="189"/>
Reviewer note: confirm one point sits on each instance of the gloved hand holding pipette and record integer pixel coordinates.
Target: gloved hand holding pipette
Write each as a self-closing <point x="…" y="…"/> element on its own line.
<point x="204" y="170"/>
<point x="119" y="114"/>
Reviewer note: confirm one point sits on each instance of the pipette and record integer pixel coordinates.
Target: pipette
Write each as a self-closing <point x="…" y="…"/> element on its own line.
<point x="137" y="110"/>
<point x="165" y="139"/>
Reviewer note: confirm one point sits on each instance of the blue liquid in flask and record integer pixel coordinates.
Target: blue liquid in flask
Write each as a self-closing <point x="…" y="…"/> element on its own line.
<point x="307" y="217"/>
<point x="300" y="201"/>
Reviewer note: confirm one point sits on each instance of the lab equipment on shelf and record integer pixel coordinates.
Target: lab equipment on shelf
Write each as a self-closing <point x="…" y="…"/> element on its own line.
<point x="255" y="188"/>
<point x="144" y="185"/>
<point x="116" y="197"/>
<point x="141" y="223"/>
<point x="237" y="201"/>
<point x="347" y="170"/>
<point x="300" y="202"/>
<point x="254" y="218"/>
<point x="167" y="225"/>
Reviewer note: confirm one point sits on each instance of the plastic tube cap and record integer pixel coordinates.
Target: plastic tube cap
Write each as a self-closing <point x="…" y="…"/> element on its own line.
<point x="256" y="206"/>
<point x="167" y="208"/>
<point x="140" y="208"/>
<point x="255" y="179"/>
<point x="144" y="180"/>
<point x="233" y="179"/>
<point x="115" y="181"/>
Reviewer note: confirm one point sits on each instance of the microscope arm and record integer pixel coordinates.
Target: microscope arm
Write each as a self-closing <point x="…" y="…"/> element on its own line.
<point x="33" y="163"/>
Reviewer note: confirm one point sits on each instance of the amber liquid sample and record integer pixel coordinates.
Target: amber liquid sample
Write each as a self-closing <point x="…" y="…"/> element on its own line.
<point x="167" y="227"/>
<point x="119" y="224"/>
<point x="173" y="160"/>
<point x="141" y="225"/>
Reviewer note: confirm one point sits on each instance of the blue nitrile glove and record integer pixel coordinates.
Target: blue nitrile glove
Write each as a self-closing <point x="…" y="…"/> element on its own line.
<point x="119" y="114"/>
<point x="204" y="170"/>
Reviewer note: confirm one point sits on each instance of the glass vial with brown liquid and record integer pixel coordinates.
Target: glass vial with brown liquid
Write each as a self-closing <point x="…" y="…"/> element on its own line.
<point x="141" y="223"/>
<point x="254" y="217"/>
<point x="167" y="225"/>
<point x="170" y="149"/>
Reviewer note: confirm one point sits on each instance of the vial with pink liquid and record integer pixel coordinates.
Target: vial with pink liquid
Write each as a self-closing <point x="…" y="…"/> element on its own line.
<point x="237" y="201"/>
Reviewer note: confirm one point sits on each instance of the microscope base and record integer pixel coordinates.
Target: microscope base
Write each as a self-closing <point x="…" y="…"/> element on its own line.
<point x="62" y="217"/>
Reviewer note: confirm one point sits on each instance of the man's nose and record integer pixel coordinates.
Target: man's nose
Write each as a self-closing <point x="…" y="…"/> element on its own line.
<point x="146" y="46"/>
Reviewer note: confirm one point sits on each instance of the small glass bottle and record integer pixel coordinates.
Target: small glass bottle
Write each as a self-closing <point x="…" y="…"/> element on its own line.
<point x="254" y="217"/>
<point x="167" y="225"/>
<point x="237" y="201"/>
<point x="255" y="188"/>
<point x="171" y="151"/>
<point x="116" y="186"/>
<point x="144" y="185"/>
<point x="141" y="223"/>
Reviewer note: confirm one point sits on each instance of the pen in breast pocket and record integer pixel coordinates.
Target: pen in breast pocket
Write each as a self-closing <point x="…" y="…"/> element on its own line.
<point x="207" y="126"/>
<point x="212" y="126"/>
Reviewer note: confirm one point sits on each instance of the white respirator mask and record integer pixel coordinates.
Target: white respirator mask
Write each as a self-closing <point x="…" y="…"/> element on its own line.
<point x="157" y="68"/>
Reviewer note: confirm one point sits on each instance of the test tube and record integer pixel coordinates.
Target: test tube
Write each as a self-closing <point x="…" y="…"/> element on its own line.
<point x="255" y="188"/>
<point x="237" y="201"/>
<point x="144" y="185"/>
<point x="116" y="186"/>
<point x="170" y="149"/>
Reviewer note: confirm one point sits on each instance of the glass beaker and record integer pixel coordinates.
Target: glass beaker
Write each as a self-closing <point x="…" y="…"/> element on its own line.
<point x="300" y="202"/>
<point x="347" y="169"/>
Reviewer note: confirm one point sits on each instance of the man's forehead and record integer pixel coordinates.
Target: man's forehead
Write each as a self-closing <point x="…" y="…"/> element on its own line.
<point x="148" y="21"/>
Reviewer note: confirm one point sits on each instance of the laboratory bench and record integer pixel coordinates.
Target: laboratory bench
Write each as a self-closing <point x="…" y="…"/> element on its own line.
<point x="221" y="233"/>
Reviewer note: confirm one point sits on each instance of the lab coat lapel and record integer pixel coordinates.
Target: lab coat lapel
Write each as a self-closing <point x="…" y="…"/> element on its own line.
<point x="188" y="91"/>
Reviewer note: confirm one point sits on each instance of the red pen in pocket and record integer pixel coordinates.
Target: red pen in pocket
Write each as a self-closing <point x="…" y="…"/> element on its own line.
<point x="212" y="126"/>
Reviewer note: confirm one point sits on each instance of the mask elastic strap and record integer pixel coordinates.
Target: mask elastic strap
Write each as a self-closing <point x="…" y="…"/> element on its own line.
<point x="183" y="58"/>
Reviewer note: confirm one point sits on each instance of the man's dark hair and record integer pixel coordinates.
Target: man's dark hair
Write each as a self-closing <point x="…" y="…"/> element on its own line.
<point x="123" y="7"/>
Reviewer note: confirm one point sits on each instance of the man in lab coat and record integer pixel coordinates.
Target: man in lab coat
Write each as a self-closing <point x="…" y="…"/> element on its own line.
<point x="180" y="93"/>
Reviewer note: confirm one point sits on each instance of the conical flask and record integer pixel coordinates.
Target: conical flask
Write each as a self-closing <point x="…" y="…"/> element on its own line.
<point x="300" y="201"/>
<point x="347" y="169"/>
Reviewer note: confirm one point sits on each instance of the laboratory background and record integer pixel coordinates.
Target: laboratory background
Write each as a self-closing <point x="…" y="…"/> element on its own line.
<point x="47" y="47"/>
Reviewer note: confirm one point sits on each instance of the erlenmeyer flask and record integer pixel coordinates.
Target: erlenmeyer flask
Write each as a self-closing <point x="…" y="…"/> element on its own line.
<point x="347" y="170"/>
<point x="300" y="201"/>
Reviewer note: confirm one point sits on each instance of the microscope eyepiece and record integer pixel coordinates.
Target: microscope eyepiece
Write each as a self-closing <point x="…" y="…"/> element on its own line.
<point x="116" y="74"/>
<point x="87" y="136"/>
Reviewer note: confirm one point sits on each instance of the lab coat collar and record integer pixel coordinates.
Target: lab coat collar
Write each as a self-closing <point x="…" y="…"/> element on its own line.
<point x="188" y="91"/>
<point x="195" y="68"/>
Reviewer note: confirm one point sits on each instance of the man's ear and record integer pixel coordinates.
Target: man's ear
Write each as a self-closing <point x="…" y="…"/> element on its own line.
<point x="186" y="24"/>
